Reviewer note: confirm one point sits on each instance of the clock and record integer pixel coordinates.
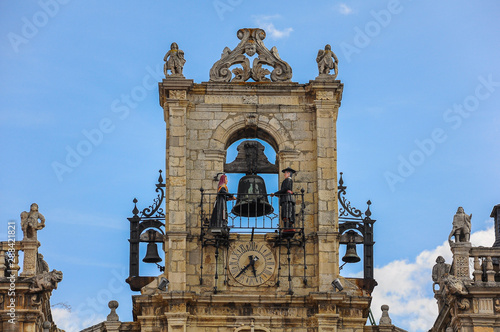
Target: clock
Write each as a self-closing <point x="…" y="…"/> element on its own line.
<point x="251" y="263"/>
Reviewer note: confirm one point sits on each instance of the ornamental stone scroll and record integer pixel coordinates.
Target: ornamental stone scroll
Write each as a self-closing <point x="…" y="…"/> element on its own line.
<point x="251" y="44"/>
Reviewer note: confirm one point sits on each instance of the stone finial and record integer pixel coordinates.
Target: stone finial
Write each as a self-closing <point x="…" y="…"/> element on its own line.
<point x="30" y="224"/>
<point x="46" y="326"/>
<point x="327" y="60"/>
<point x="251" y="44"/>
<point x="113" y="316"/>
<point x="385" y="319"/>
<point x="174" y="61"/>
<point x="461" y="227"/>
<point x="439" y="271"/>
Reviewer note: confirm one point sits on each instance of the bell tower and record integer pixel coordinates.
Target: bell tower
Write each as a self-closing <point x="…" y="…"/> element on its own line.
<point x="258" y="270"/>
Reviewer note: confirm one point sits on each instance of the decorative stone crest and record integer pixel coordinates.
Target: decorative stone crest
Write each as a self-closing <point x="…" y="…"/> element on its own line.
<point x="177" y="94"/>
<point x="327" y="60"/>
<point x="30" y="224"/>
<point x="251" y="43"/>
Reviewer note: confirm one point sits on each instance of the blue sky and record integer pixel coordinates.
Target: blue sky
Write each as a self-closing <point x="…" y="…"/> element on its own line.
<point x="418" y="129"/>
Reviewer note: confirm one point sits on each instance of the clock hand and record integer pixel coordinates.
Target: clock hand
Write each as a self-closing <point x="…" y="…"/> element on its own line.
<point x="253" y="265"/>
<point x="246" y="267"/>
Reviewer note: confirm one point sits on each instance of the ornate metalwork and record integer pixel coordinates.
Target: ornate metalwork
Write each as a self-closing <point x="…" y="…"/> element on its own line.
<point x="351" y="218"/>
<point x="346" y="208"/>
<point x="265" y="224"/>
<point x="157" y="202"/>
<point x="149" y="218"/>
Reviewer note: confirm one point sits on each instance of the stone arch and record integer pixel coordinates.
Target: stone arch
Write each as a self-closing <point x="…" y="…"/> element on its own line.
<point x="250" y="126"/>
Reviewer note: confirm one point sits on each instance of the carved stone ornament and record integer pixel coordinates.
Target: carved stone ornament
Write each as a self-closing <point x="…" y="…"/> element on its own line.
<point x="463" y="304"/>
<point x="454" y="285"/>
<point x="46" y="281"/>
<point x="251" y="43"/>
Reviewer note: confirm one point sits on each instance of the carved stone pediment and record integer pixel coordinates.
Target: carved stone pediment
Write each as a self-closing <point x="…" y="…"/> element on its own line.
<point x="251" y="43"/>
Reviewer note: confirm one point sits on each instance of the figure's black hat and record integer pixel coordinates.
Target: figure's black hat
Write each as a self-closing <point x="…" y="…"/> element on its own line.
<point x="288" y="169"/>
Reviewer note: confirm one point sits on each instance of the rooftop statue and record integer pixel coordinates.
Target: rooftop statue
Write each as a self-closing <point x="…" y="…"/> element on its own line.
<point x="327" y="60"/>
<point x="251" y="44"/>
<point x="439" y="271"/>
<point x="30" y="224"/>
<point x="174" y="61"/>
<point x="461" y="227"/>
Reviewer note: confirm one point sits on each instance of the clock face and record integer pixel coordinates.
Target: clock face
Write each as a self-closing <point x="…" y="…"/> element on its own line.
<point x="251" y="263"/>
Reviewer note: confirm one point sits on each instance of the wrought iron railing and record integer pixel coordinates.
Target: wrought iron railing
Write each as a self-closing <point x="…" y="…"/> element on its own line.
<point x="239" y="220"/>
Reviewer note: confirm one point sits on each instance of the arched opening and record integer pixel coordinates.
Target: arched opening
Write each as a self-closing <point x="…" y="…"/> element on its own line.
<point x="266" y="222"/>
<point x="251" y="132"/>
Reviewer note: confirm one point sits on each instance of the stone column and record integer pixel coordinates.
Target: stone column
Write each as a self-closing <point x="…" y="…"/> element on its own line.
<point x="173" y="91"/>
<point x="327" y="101"/>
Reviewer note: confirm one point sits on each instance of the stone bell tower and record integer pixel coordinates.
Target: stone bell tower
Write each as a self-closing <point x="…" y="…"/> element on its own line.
<point x="255" y="274"/>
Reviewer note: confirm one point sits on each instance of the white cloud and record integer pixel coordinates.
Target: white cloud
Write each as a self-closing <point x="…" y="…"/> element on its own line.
<point x="264" y="22"/>
<point x="344" y="9"/>
<point x="407" y="286"/>
<point x="70" y="321"/>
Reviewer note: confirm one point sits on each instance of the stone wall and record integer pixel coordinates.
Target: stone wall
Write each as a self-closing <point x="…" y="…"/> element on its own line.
<point x="203" y="120"/>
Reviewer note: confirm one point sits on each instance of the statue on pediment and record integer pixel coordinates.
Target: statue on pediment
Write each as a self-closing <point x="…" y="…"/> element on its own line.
<point x="32" y="222"/>
<point x="174" y="61"/>
<point x="461" y="226"/>
<point x="327" y="60"/>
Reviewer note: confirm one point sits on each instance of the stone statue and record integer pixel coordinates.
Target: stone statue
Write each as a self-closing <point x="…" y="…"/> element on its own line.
<point x="174" y="61"/>
<point x="46" y="281"/>
<point x="439" y="271"/>
<point x="327" y="60"/>
<point x="30" y="224"/>
<point x="41" y="265"/>
<point x="461" y="227"/>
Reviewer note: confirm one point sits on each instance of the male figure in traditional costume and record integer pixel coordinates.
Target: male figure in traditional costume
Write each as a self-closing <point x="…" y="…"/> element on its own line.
<point x="287" y="200"/>
<point x="461" y="226"/>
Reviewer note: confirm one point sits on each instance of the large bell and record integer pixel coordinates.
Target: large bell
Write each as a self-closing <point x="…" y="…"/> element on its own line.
<point x="152" y="254"/>
<point x="252" y="197"/>
<point x="350" y="254"/>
